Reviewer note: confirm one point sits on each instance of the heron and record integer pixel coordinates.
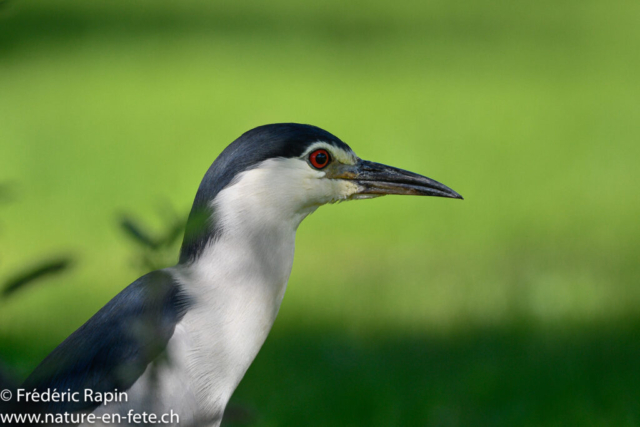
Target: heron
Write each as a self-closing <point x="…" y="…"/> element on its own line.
<point x="180" y="339"/>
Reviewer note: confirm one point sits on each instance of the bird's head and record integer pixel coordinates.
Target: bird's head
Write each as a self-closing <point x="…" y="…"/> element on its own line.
<point x="280" y="173"/>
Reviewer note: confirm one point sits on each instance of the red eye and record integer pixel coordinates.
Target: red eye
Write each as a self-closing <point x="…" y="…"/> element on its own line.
<point x="319" y="159"/>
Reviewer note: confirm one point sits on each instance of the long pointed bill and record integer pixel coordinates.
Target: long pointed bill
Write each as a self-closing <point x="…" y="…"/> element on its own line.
<point x="376" y="179"/>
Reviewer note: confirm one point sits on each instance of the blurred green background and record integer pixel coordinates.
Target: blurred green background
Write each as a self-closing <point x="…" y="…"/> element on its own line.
<point x="518" y="306"/>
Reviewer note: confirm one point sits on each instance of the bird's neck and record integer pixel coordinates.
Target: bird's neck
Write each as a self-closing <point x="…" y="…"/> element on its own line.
<point x="251" y="237"/>
<point x="238" y="283"/>
<point x="245" y="255"/>
<point x="254" y="238"/>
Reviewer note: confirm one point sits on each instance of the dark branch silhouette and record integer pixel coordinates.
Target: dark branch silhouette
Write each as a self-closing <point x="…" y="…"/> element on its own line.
<point x="35" y="273"/>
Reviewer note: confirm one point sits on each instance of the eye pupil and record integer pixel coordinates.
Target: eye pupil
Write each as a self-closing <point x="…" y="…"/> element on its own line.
<point x="319" y="158"/>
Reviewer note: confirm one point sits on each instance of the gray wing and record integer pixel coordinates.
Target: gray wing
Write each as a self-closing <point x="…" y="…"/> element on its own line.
<point x="113" y="348"/>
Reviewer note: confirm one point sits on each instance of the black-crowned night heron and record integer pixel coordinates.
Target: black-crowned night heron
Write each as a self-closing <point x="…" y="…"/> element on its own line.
<point x="180" y="339"/>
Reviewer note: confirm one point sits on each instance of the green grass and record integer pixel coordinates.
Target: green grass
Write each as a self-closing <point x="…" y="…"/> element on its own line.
<point x="518" y="306"/>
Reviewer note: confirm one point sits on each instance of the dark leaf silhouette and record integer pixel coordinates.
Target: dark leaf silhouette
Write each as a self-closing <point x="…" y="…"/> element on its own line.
<point x="174" y="232"/>
<point x="154" y="250"/>
<point x="35" y="273"/>
<point x="137" y="233"/>
<point x="174" y="224"/>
